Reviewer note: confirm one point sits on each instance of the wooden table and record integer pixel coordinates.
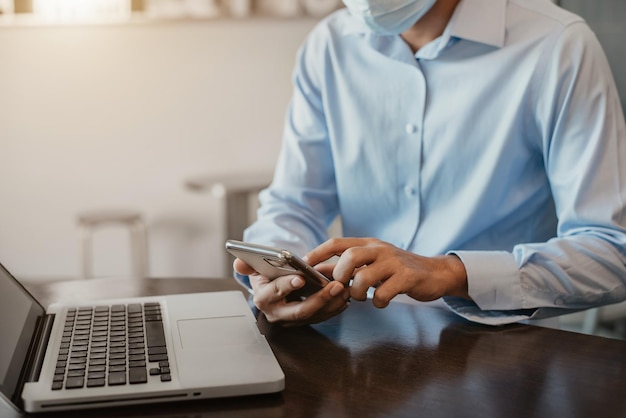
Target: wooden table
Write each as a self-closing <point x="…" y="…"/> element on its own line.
<point x="403" y="361"/>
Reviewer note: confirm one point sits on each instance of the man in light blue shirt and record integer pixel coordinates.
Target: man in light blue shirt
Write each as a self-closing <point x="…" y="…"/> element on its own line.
<point x="474" y="149"/>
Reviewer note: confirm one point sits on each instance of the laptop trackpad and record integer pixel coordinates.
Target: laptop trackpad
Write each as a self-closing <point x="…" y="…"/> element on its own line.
<point x="207" y="333"/>
<point x="218" y="352"/>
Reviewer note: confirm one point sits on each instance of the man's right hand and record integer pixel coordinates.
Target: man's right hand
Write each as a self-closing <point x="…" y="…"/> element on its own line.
<point x="271" y="297"/>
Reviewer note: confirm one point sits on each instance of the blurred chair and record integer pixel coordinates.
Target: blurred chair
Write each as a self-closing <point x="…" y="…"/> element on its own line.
<point x="238" y="197"/>
<point x="607" y="321"/>
<point x="89" y="221"/>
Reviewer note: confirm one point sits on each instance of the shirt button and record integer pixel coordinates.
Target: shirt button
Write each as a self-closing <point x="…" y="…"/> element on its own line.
<point x="409" y="190"/>
<point x="410" y="128"/>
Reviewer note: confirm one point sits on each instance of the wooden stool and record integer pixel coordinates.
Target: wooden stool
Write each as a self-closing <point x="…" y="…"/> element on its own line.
<point x="133" y="221"/>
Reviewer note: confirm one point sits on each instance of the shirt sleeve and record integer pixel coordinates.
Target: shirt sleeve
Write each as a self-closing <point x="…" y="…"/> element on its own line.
<point x="580" y="123"/>
<point x="301" y="203"/>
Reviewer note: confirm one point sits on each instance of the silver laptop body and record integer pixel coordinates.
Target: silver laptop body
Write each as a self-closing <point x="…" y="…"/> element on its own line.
<point x="212" y="347"/>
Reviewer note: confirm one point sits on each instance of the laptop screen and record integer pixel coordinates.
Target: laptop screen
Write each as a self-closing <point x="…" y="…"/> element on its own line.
<point x="18" y="316"/>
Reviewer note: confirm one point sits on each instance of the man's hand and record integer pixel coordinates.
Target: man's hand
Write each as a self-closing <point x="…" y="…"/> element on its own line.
<point x="271" y="297"/>
<point x="369" y="262"/>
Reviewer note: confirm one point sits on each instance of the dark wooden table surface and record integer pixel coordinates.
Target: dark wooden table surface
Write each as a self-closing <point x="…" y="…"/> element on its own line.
<point x="403" y="361"/>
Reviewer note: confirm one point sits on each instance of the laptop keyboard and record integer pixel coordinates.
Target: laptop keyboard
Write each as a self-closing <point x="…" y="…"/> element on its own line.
<point x="110" y="346"/>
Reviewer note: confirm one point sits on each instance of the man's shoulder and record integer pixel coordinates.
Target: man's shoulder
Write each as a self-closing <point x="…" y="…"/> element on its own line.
<point x="544" y="10"/>
<point x="532" y="20"/>
<point x="336" y="25"/>
<point x="330" y="33"/>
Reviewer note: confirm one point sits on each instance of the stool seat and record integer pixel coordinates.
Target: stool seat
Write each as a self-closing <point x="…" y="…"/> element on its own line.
<point x="89" y="221"/>
<point x="101" y="217"/>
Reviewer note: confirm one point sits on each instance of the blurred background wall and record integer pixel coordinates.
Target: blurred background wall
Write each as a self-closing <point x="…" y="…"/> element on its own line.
<point x="118" y="116"/>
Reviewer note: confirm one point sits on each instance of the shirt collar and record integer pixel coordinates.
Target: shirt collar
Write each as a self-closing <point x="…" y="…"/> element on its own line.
<point x="481" y="21"/>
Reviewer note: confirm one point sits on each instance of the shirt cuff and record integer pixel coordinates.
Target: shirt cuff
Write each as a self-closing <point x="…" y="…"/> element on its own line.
<point x="470" y="311"/>
<point x="493" y="279"/>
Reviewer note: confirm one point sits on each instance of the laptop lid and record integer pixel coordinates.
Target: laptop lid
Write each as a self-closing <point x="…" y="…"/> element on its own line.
<point x="20" y="314"/>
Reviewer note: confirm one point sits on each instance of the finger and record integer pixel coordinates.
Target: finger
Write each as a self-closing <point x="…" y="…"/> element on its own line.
<point x="257" y="281"/>
<point x="326" y="269"/>
<point x="332" y="247"/>
<point x="387" y="291"/>
<point x="352" y="259"/>
<point x="359" y="286"/>
<point x="383" y="295"/>
<point x="242" y="268"/>
<point x="299" y="314"/>
<point x="302" y="312"/>
<point x="321" y="316"/>
<point x="268" y="292"/>
<point x="365" y="278"/>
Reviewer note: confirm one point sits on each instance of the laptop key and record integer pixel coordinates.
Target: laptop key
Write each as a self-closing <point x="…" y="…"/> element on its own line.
<point x="136" y="357"/>
<point x="137" y="375"/>
<point x="117" y="362"/>
<point x="117" y="356"/>
<point x="155" y="334"/>
<point x="92" y="383"/>
<point x="134" y="308"/>
<point x="74" y="382"/>
<point x="76" y="373"/>
<point x="157" y="350"/>
<point x="117" y="378"/>
<point x="157" y="357"/>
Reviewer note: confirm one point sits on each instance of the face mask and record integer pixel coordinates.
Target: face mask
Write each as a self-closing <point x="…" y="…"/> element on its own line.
<point x="389" y="17"/>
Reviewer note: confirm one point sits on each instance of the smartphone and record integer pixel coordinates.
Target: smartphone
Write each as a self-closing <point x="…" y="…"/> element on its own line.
<point x="275" y="262"/>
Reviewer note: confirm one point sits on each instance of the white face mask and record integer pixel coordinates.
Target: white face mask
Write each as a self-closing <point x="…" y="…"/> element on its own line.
<point x="389" y="17"/>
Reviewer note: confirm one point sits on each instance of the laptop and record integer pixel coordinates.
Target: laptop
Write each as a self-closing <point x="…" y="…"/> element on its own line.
<point x="129" y="351"/>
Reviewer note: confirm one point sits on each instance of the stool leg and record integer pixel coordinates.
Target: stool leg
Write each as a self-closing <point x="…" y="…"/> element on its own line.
<point x="236" y="208"/>
<point x="139" y="250"/>
<point x="590" y="322"/>
<point x="87" y="253"/>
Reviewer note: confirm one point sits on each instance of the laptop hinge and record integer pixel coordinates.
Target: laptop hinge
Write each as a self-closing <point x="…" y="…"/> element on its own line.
<point x="36" y="353"/>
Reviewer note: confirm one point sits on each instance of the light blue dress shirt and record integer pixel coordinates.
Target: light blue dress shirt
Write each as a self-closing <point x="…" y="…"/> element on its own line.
<point x="501" y="141"/>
